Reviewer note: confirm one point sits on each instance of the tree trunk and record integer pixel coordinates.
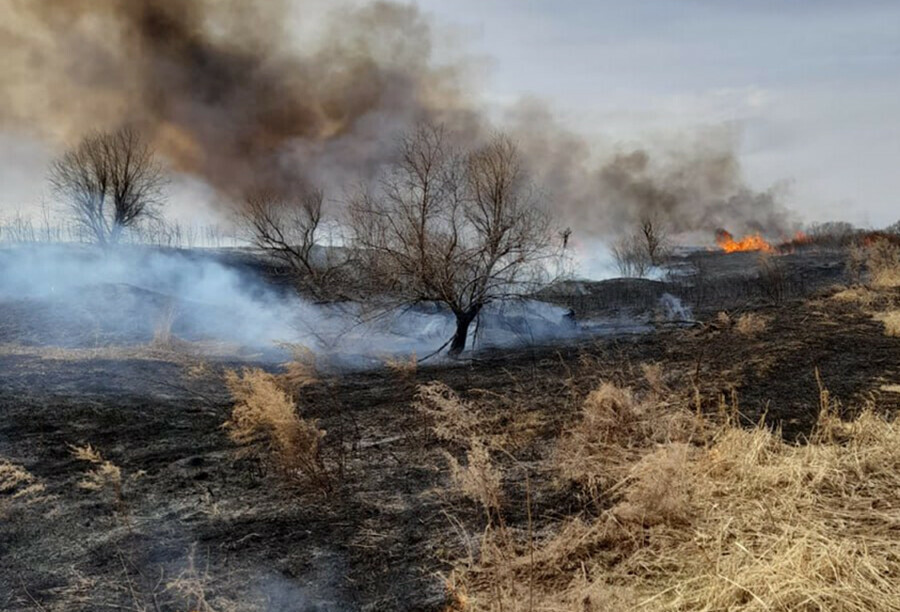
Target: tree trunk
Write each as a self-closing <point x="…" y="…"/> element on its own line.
<point x="464" y="318"/>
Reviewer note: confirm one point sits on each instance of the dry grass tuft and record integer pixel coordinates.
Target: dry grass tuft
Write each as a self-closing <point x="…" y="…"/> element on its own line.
<point x="453" y="419"/>
<point x="883" y="261"/>
<point x="480" y="479"/>
<point x="191" y="586"/>
<point x="751" y="324"/>
<point x="301" y="371"/>
<point x="864" y="297"/>
<point x="18" y="486"/>
<point x="739" y="520"/>
<point x="104" y="475"/>
<point x="264" y="413"/>
<point x="615" y="430"/>
<point x="891" y="322"/>
<point x="403" y="368"/>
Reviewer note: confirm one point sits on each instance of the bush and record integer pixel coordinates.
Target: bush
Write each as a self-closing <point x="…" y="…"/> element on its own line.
<point x="264" y="413"/>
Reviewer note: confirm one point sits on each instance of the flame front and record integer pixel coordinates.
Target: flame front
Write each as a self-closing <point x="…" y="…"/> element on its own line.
<point x="753" y="242"/>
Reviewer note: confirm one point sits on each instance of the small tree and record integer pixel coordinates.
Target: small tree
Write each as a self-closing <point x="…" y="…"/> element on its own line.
<point x="654" y="241"/>
<point x="110" y="182"/>
<point x="453" y="228"/>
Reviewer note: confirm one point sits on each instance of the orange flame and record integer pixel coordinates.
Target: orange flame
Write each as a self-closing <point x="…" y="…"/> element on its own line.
<point x="753" y="242"/>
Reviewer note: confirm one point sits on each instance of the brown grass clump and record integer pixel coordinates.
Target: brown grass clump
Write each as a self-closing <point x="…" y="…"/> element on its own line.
<point x="615" y="430"/>
<point x="883" y="260"/>
<point x="17" y="485"/>
<point x="264" y="413"/>
<point x="104" y="475"/>
<point x="301" y="370"/>
<point x="891" y="322"/>
<point x="479" y="479"/>
<point x="751" y="324"/>
<point x="453" y="419"/>
<point x="741" y="520"/>
<point x="403" y="368"/>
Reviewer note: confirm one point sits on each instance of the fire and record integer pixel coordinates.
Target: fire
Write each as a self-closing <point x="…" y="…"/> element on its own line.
<point x="753" y="242"/>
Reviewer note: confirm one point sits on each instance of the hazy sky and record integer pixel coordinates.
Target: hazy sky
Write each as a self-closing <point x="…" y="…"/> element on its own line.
<point x="813" y="87"/>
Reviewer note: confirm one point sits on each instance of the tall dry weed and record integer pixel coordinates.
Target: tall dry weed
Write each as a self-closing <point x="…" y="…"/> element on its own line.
<point x="264" y="413"/>
<point x="104" y="475"/>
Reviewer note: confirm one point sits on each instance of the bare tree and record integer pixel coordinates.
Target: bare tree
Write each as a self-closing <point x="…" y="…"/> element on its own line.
<point x="452" y="228"/>
<point x="110" y="182"/>
<point x="288" y="228"/>
<point x="631" y="256"/>
<point x="654" y="241"/>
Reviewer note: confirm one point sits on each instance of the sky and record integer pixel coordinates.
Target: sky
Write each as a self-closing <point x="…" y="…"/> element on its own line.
<point x="812" y="87"/>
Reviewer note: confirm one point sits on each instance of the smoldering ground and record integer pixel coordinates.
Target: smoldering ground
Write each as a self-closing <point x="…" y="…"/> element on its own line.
<point x="240" y="96"/>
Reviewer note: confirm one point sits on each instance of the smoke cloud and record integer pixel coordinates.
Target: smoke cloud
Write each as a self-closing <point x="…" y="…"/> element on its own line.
<point x="221" y="86"/>
<point x="233" y="93"/>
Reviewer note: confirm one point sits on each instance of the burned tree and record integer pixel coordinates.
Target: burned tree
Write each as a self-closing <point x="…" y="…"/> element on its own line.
<point x="452" y="228"/>
<point x="110" y="182"/>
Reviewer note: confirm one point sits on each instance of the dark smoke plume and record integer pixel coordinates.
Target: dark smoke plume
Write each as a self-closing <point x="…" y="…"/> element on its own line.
<point x="219" y="84"/>
<point x="228" y="94"/>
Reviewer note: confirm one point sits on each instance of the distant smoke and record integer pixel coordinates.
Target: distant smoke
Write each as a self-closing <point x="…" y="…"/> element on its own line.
<point x="229" y="94"/>
<point x="690" y="184"/>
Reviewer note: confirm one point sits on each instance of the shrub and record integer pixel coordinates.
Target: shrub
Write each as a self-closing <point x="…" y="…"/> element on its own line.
<point x="264" y="413"/>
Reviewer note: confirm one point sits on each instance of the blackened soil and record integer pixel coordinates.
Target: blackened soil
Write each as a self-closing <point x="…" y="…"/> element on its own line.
<point x="385" y="533"/>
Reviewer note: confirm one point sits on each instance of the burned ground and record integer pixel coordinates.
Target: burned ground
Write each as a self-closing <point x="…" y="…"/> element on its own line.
<point x="383" y="537"/>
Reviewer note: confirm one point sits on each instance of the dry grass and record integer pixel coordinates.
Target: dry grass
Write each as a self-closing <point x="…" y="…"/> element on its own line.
<point x="403" y="368"/>
<point x="301" y="370"/>
<point x="723" y="519"/>
<point x="751" y="324"/>
<point x="105" y="475"/>
<point x="453" y="419"/>
<point x="18" y="486"/>
<point x="883" y="261"/>
<point x="265" y="413"/>
<point x="891" y="322"/>
<point x="616" y="428"/>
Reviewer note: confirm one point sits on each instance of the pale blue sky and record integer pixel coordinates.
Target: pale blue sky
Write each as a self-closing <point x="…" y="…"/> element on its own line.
<point x="813" y="87"/>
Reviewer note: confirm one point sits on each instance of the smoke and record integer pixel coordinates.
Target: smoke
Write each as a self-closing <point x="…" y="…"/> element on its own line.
<point x="240" y="95"/>
<point x="221" y="86"/>
<point x="84" y="297"/>
<point x="684" y="183"/>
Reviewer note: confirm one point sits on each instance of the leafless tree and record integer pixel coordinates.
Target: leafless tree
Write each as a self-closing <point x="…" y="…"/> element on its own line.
<point x="654" y="240"/>
<point x="110" y="182"/>
<point x="631" y="257"/>
<point x="461" y="229"/>
<point x="287" y="228"/>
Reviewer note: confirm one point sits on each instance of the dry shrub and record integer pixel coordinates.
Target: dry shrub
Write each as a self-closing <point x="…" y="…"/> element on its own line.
<point x="480" y="479"/>
<point x="723" y="319"/>
<point x="883" y="262"/>
<point x="453" y="419"/>
<point x="891" y="322"/>
<point x="301" y="370"/>
<point x="615" y="430"/>
<point x="105" y="475"/>
<point x="751" y="324"/>
<point x="264" y="413"/>
<point x="743" y="521"/>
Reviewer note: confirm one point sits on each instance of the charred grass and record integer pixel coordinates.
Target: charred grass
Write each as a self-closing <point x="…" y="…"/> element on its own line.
<point x="597" y="475"/>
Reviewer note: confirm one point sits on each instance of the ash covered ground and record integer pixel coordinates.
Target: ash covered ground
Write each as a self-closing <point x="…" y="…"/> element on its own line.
<point x="86" y="363"/>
